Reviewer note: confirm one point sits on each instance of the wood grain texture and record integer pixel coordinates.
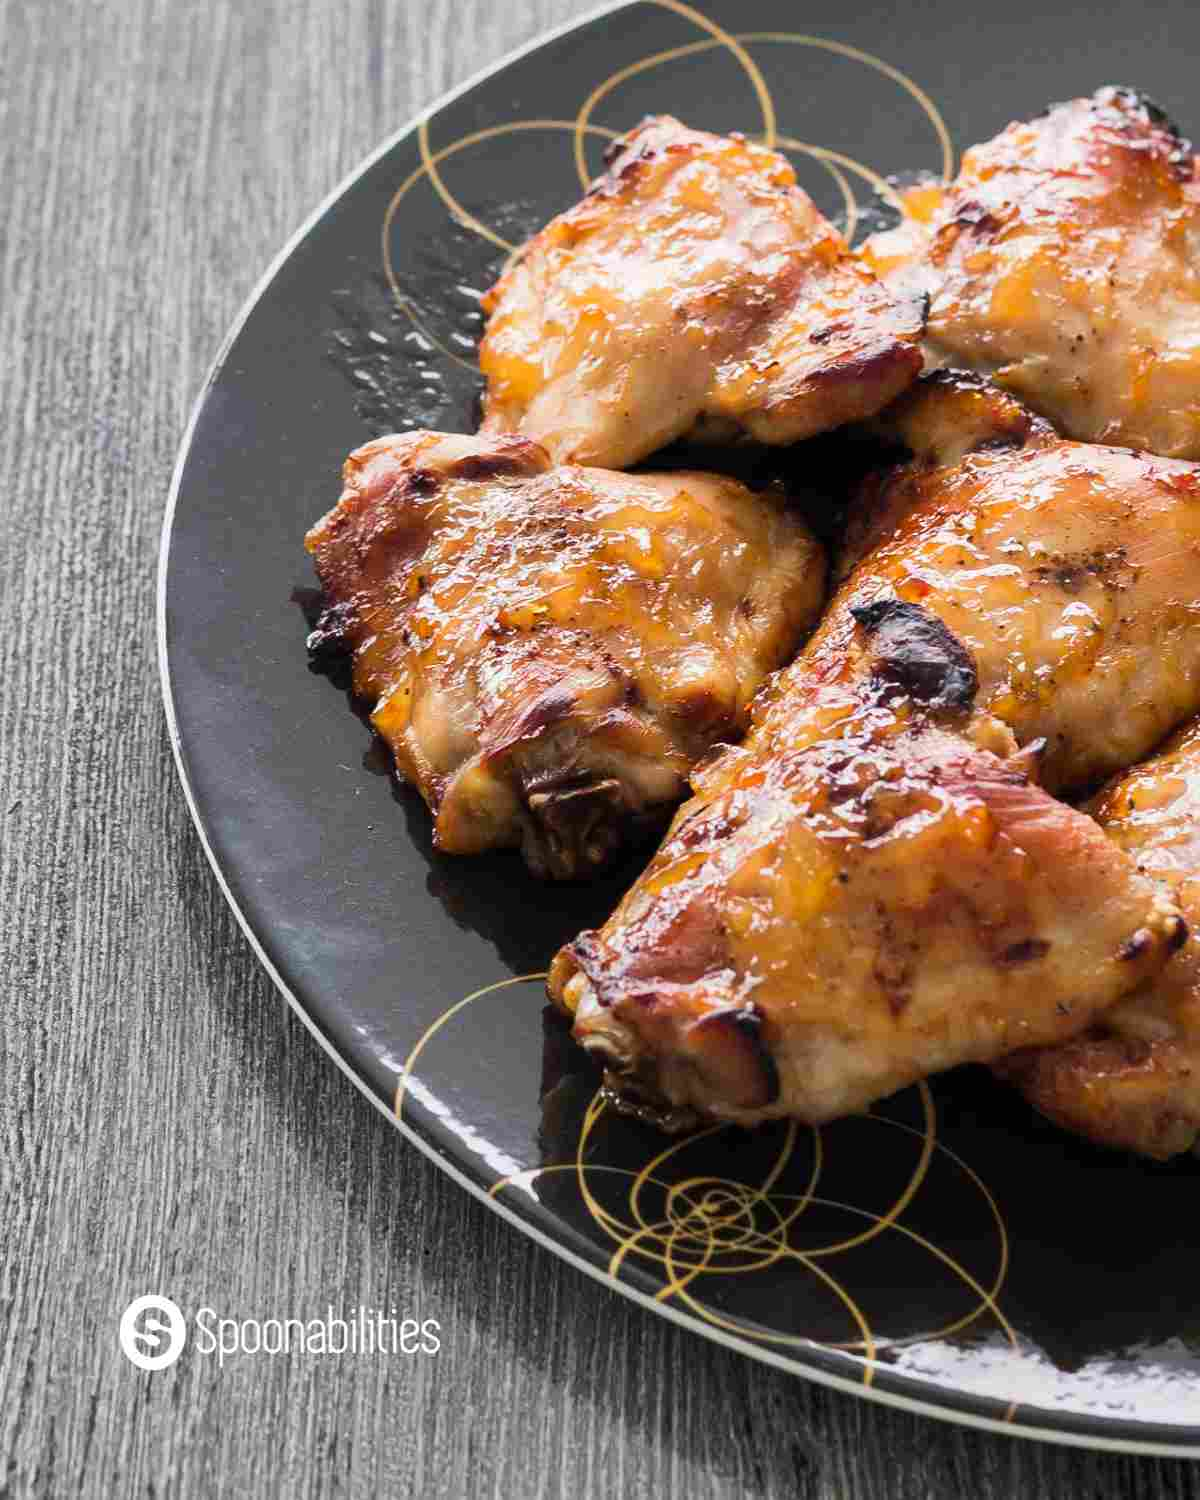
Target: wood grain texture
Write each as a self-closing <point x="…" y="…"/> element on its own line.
<point x="166" y="1123"/>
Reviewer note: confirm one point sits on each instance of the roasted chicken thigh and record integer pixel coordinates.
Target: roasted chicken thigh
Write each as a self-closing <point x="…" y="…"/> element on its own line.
<point x="1133" y="1079"/>
<point x="880" y="882"/>
<point x="1064" y="262"/>
<point x="1068" y="570"/>
<point x="548" y="651"/>
<point x="695" y="290"/>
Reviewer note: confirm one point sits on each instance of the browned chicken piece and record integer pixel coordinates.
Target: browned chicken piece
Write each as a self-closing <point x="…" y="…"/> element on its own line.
<point x="1133" y="1080"/>
<point x="874" y="886"/>
<point x="695" y="290"/>
<point x="1067" y="570"/>
<point x="1064" y="262"/>
<point x="547" y="651"/>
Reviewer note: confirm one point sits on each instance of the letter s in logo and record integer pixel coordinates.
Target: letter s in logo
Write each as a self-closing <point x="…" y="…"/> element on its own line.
<point x="158" y="1339"/>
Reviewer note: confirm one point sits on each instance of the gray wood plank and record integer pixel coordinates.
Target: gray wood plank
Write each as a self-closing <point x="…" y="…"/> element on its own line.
<point x="164" y="1121"/>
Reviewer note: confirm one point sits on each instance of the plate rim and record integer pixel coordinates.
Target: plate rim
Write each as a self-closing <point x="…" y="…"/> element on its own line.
<point x="1085" y="1432"/>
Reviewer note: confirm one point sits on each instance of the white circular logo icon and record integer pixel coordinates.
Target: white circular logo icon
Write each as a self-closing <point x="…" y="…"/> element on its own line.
<point x="153" y="1332"/>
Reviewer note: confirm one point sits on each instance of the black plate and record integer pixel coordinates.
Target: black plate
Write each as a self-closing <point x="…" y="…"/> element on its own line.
<point x="948" y="1252"/>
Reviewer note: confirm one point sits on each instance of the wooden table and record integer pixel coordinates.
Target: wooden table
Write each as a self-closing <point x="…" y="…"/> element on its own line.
<point x="167" y="1124"/>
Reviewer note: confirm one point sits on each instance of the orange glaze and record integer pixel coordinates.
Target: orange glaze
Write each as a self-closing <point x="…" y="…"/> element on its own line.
<point x="547" y="651"/>
<point x="1133" y="1080"/>
<point x="695" y="290"/>
<point x="1068" y="572"/>
<point x="892" y="253"/>
<point x="1064" y="262"/>
<point x="873" y="887"/>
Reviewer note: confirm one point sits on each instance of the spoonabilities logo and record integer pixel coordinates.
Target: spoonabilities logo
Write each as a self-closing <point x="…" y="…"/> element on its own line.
<point x="156" y="1340"/>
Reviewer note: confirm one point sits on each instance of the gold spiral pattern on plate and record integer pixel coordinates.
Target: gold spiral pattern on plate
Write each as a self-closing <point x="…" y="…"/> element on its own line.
<point x="708" y="1227"/>
<point x="826" y="44"/>
<point x="431" y="1031"/>
<point x="719" y="38"/>
<point x="836" y="163"/>
<point x="430" y="162"/>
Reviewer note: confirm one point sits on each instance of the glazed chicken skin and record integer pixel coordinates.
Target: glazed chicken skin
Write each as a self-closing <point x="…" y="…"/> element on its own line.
<point x="547" y="651"/>
<point x="1132" y="1081"/>
<point x="1067" y="570"/>
<point x="875" y="886"/>
<point x="695" y="291"/>
<point x="1064" y="262"/>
